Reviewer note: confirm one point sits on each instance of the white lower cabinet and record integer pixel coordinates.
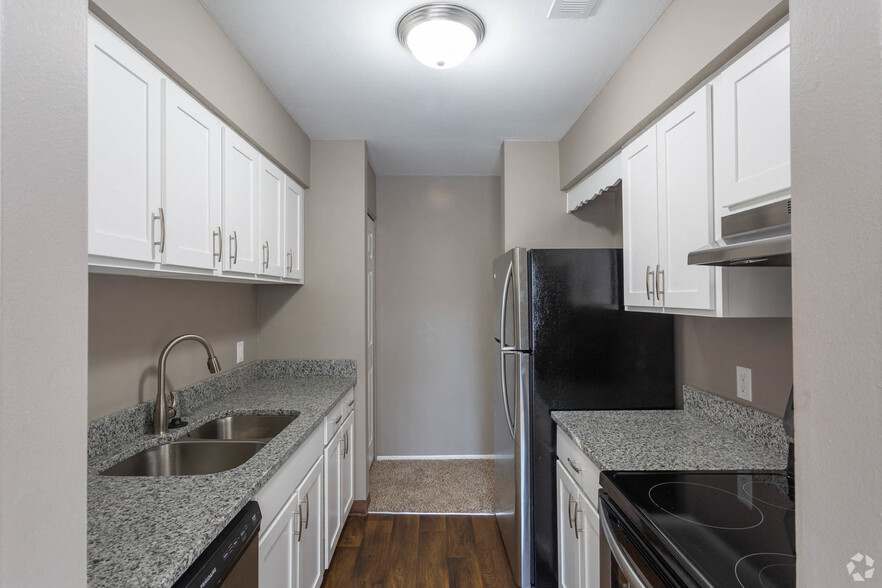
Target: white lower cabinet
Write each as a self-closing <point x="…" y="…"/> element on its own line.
<point x="309" y="545"/>
<point x="276" y="548"/>
<point x="340" y="476"/>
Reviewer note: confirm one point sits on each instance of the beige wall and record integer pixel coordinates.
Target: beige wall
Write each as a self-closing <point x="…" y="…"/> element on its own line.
<point x="182" y="35"/>
<point x="43" y="292"/>
<point x="837" y="285"/>
<point x="707" y="351"/>
<point x="437" y="238"/>
<point x="534" y="209"/>
<point x="131" y="319"/>
<point x="326" y="317"/>
<point x="691" y="40"/>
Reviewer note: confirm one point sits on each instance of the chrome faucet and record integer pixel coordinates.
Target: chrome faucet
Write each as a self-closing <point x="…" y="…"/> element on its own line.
<point x="162" y="412"/>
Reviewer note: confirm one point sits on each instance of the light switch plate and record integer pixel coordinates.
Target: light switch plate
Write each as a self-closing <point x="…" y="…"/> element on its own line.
<point x="742" y="376"/>
<point x="240" y="351"/>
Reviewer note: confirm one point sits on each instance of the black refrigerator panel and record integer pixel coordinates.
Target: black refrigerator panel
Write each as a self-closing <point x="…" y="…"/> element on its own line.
<point x="588" y="354"/>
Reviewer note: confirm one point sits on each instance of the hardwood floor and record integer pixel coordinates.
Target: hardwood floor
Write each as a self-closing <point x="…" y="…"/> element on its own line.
<point x="420" y="551"/>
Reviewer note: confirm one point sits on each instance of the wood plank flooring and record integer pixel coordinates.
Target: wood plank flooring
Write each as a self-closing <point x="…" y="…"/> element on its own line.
<point x="437" y="551"/>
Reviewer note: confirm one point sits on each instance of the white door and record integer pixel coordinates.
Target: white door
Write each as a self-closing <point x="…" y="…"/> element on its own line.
<point x="371" y="329"/>
<point x="309" y="543"/>
<point x="191" y="196"/>
<point x="333" y="522"/>
<point x="124" y="149"/>
<point x="568" y="548"/>
<point x="752" y="124"/>
<point x="347" y="467"/>
<point x="272" y="194"/>
<point x="293" y="231"/>
<point x="640" y="219"/>
<point x="685" y="204"/>
<point x="589" y="543"/>
<point x="278" y="566"/>
<point x="241" y="178"/>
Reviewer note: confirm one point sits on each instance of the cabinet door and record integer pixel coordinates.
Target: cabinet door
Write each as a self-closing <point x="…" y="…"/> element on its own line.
<point x="347" y="467"/>
<point x="241" y="179"/>
<point x="569" y="568"/>
<point x="309" y="545"/>
<point x="640" y="219"/>
<point x="293" y="231"/>
<point x="589" y="542"/>
<point x="752" y="124"/>
<point x="278" y="564"/>
<point x="191" y="196"/>
<point x="272" y="194"/>
<point x="685" y="204"/>
<point x="333" y="520"/>
<point x="124" y="148"/>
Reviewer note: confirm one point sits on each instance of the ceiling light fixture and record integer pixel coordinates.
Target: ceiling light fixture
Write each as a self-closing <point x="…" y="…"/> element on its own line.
<point x="441" y="36"/>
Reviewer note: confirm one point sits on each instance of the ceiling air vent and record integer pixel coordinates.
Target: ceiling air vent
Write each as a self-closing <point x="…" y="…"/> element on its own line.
<point x="572" y="8"/>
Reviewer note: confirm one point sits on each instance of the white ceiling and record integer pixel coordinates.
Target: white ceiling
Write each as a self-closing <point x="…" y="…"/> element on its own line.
<point x="337" y="67"/>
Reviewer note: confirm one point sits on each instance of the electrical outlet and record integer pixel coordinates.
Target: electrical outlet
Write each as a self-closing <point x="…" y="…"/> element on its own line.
<point x="742" y="375"/>
<point x="240" y="351"/>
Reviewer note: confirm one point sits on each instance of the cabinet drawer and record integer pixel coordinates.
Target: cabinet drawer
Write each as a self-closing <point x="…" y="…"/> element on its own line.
<point x="335" y="418"/>
<point x="577" y="464"/>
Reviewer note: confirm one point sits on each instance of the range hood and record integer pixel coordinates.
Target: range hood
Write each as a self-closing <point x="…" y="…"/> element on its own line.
<point x="760" y="236"/>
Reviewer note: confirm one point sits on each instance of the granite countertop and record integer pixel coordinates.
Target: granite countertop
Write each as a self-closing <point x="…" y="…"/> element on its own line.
<point x="146" y="531"/>
<point x="710" y="433"/>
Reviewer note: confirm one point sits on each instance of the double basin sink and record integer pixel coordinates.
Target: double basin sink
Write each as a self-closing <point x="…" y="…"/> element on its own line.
<point x="216" y="446"/>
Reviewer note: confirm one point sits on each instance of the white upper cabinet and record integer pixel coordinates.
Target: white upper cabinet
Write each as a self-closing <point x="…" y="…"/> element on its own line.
<point x="640" y="219"/>
<point x="293" y="248"/>
<point x="240" y="202"/>
<point x="666" y="205"/>
<point x="752" y="125"/>
<point x="270" y="236"/>
<point x="191" y="195"/>
<point x="685" y="204"/>
<point x="124" y="149"/>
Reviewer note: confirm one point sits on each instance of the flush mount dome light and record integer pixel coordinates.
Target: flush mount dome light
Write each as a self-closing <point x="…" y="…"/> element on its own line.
<point x="441" y="35"/>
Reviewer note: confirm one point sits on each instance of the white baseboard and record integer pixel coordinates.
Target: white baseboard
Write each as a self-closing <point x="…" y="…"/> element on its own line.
<point x="430" y="457"/>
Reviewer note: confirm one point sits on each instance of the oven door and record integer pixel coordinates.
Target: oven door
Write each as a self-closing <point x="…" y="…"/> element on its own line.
<point x="621" y="563"/>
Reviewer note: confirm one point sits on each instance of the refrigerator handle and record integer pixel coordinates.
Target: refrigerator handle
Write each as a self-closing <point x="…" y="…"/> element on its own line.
<point x="504" y="389"/>
<point x="508" y="279"/>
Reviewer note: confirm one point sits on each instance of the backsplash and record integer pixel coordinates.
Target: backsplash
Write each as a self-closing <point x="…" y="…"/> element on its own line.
<point x="120" y="427"/>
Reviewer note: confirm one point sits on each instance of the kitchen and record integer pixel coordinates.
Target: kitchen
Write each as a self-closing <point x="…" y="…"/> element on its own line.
<point x="835" y="134"/>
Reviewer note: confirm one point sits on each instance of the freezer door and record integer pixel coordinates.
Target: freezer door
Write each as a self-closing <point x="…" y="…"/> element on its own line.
<point x="511" y="432"/>
<point x="511" y="295"/>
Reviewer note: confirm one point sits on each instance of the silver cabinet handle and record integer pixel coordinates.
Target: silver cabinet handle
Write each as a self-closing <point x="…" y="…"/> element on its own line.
<point x="659" y="277"/>
<point x="649" y="280"/>
<point x="299" y="532"/>
<point x="574" y="466"/>
<point x="161" y="218"/>
<point x="306" y="503"/>
<point x="625" y="565"/>
<point x="341" y="447"/>
<point x="290" y="267"/>
<point x="338" y="419"/>
<point x="345" y="444"/>
<point x="570" y="510"/>
<point x="351" y="402"/>
<point x="576" y="528"/>
<point x="220" y="244"/>
<point x="265" y="254"/>
<point x="234" y="248"/>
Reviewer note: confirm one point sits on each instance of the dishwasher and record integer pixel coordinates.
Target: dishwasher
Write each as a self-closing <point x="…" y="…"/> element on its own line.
<point x="231" y="559"/>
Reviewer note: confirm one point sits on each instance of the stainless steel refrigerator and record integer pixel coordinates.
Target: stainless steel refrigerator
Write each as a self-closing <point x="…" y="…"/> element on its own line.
<point x="562" y="341"/>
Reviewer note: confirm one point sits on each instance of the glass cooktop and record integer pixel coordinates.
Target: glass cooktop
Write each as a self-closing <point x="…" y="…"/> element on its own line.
<point x="721" y="528"/>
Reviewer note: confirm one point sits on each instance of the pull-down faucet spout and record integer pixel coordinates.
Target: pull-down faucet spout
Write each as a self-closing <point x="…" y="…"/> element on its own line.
<point x="162" y="411"/>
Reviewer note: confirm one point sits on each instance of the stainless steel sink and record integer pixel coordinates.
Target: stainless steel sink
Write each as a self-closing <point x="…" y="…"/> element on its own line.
<point x="243" y="427"/>
<point x="187" y="458"/>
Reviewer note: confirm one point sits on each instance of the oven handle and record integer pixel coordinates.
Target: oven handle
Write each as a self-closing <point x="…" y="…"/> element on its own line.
<point x="618" y="553"/>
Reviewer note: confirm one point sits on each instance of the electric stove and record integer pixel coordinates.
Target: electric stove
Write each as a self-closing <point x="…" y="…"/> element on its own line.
<point x="698" y="529"/>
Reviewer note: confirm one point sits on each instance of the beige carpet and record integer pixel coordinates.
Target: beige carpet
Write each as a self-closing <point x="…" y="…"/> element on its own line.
<point x="432" y="486"/>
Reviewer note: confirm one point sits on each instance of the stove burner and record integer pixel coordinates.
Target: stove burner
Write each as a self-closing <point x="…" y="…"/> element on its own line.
<point x="773" y="492"/>
<point x="768" y="570"/>
<point x="705" y="505"/>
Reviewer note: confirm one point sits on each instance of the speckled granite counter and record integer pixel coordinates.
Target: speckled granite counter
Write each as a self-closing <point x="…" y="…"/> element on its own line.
<point x="146" y="531"/>
<point x="710" y="433"/>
